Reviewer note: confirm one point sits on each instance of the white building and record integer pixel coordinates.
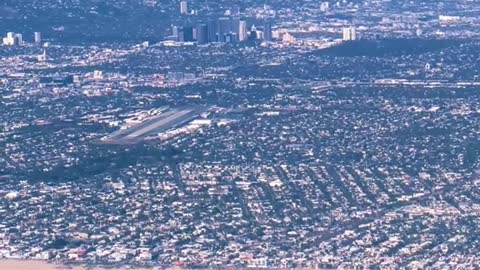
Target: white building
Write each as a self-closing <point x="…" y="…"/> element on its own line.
<point x="42" y="57"/>
<point x="349" y="33"/>
<point x="444" y="19"/>
<point x="242" y="31"/>
<point x="183" y="7"/>
<point x="419" y="32"/>
<point x="37" y="37"/>
<point x="324" y="7"/>
<point x="97" y="75"/>
<point x="288" y="38"/>
<point x="353" y="33"/>
<point x="346" y="34"/>
<point x="18" y="39"/>
<point x="12" y="39"/>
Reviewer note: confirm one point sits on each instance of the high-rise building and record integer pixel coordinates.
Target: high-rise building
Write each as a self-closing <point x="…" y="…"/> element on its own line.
<point x="212" y="31"/>
<point x="224" y="28"/>
<point x="13" y="39"/>
<point x="202" y="33"/>
<point x="235" y="25"/>
<point x="242" y="31"/>
<point x="183" y="7"/>
<point x="37" y="37"/>
<point x="9" y="39"/>
<point x="185" y="34"/>
<point x="346" y="34"/>
<point x="18" y="39"/>
<point x="349" y="33"/>
<point x="175" y="32"/>
<point x="231" y="37"/>
<point x="188" y="34"/>
<point x="353" y="33"/>
<point x="267" y="31"/>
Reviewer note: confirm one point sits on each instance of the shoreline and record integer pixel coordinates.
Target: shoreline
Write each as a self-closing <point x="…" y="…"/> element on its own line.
<point x="21" y="264"/>
<point x="30" y="264"/>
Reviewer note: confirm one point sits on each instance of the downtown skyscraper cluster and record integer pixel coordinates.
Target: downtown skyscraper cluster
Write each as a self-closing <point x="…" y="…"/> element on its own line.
<point x="223" y="30"/>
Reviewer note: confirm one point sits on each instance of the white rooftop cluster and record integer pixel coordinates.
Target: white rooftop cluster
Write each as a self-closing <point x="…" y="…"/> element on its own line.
<point x="13" y="39"/>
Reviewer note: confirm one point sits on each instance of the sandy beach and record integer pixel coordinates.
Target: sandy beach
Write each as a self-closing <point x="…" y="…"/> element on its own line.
<point x="13" y="264"/>
<point x="7" y="264"/>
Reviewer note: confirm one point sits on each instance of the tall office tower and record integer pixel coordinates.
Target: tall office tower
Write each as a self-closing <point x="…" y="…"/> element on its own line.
<point x="235" y="25"/>
<point x="202" y="33"/>
<point x="259" y="34"/>
<point x="185" y="34"/>
<point x="267" y="31"/>
<point x="353" y="33"/>
<point x="253" y="35"/>
<point x="212" y="31"/>
<point x="180" y="36"/>
<point x="183" y="7"/>
<point x="242" y="31"/>
<point x="37" y="37"/>
<point x="188" y="34"/>
<point x="349" y="33"/>
<point x="175" y="32"/>
<point x="224" y="27"/>
<point x="18" y="39"/>
<point x="346" y="34"/>
<point x="231" y="38"/>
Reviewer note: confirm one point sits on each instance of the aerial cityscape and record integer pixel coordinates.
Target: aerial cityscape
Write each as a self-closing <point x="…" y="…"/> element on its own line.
<point x="240" y="134"/>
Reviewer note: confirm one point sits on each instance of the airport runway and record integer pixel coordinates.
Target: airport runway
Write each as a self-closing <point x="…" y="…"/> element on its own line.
<point x="155" y="124"/>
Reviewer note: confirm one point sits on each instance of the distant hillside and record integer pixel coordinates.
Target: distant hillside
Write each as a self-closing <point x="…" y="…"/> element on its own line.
<point x="387" y="47"/>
